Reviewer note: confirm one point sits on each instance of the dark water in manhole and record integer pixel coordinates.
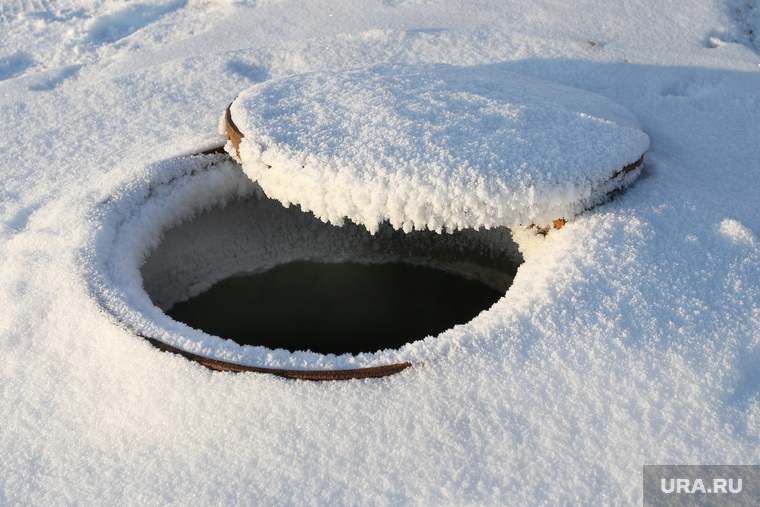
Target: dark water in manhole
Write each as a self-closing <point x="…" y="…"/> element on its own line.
<point x="336" y="308"/>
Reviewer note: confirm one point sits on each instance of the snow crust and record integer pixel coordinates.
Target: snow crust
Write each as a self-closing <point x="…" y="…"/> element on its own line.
<point x="631" y="336"/>
<point x="433" y="146"/>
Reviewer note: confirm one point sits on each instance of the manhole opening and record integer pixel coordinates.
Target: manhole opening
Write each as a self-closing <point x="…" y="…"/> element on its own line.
<point x="336" y="308"/>
<point x="261" y="274"/>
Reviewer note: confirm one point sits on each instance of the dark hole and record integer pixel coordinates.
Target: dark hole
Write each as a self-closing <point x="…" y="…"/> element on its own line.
<point x="262" y="274"/>
<point x="336" y="308"/>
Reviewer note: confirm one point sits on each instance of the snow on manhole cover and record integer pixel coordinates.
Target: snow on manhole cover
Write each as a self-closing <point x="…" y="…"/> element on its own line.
<point x="433" y="147"/>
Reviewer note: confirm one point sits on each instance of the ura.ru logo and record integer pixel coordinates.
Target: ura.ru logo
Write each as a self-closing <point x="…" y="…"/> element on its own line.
<point x="698" y="486"/>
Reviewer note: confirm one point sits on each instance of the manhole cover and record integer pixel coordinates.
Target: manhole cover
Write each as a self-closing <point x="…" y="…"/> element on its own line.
<point x="433" y="147"/>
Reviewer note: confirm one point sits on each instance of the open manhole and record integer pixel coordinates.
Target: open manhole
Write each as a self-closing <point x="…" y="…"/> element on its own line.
<point x="337" y="308"/>
<point x="264" y="275"/>
<point x="376" y="213"/>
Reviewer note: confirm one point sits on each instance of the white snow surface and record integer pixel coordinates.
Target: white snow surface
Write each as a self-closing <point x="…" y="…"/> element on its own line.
<point x="631" y="336"/>
<point x="433" y="146"/>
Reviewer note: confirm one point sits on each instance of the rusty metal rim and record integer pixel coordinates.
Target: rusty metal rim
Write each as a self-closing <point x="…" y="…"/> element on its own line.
<point x="558" y="224"/>
<point x="320" y="375"/>
<point x="233" y="133"/>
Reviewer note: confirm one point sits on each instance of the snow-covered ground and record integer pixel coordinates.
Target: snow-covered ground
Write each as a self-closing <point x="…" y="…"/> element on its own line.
<point x="629" y="337"/>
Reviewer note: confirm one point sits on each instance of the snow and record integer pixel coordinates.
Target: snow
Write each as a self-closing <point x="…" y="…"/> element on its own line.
<point x="433" y="147"/>
<point x="631" y="336"/>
